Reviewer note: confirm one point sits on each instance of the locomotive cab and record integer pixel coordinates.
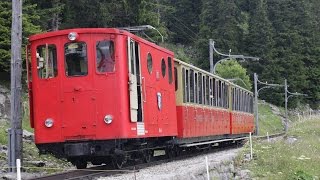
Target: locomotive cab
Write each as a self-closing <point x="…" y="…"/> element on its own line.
<point x="90" y="87"/>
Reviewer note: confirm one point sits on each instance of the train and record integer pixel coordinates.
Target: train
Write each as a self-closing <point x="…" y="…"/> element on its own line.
<point x="106" y="95"/>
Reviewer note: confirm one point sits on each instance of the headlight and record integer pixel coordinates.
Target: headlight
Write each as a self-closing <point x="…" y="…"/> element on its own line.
<point x="48" y="123"/>
<point x="73" y="36"/>
<point x="108" y="119"/>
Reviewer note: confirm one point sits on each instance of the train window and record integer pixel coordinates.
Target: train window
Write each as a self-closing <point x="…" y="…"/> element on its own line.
<point x="196" y="88"/>
<point x="184" y="85"/>
<point x="217" y="93"/>
<point x="246" y="102"/>
<point x="251" y="104"/>
<point x="223" y="94"/>
<point x="204" y="89"/>
<point x="207" y="91"/>
<point x="191" y="86"/>
<point x="227" y="95"/>
<point x="239" y="100"/>
<point x="76" y="62"/>
<point x="187" y="86"/>
<point x="213" y="91"/>
<point x="47" y="61"/>
<point x="105" y="56"/>
<point x="200" y="88"/>
<point x="163" y="67"/>
<point x="220" y="94"/>
<point x="233" y="99"/>
<point x="132" y="58"/>
<point x="149" y="63"/>
<point x="170" y="70"/>
<point x="210" y="91"/>
<point x="175" y="78"/>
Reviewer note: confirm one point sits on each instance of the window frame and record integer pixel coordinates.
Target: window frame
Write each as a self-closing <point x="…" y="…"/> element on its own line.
<point x="163" y="68"/>
<point x="114" y="51"/>
<point x="170" y="78"/>
<point x="151" y="68"/>
<point x="65" y="60"/>
<point x="54" y="73"/>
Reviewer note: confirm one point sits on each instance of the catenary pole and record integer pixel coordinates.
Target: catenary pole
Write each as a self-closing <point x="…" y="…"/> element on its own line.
<point x="15" y="133"/>
<point x="286" y="105"/>
<point x="256" y="103"/>
<point x="211" y="55"/>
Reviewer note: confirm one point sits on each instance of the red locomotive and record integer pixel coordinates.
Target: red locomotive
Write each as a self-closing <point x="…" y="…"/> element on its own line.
<point x="103" y="94"/>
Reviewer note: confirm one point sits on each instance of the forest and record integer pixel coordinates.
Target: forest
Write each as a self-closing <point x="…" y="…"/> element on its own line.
<point x="284" y="34"/>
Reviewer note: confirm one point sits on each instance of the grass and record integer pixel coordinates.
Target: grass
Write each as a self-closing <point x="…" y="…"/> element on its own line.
<point x="4" y="125"/>
<point x="30" y="152"/>
<point x="268" y="121"/>
<point x="284" y="160"/>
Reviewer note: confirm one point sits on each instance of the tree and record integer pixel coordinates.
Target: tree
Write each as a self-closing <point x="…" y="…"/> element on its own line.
<point x="50" y="13"/>
<point x="219" y="20"/>
<point x="259" y="39"/>
<point x="291" y="25"/>
<point x="233" y="71"/>
<point x="29" y="20"/>
<point x="183" y="21"/>
<point x="5" y="29"/>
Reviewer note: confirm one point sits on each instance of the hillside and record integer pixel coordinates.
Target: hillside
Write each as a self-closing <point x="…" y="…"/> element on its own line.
<point x="283" y="34"/>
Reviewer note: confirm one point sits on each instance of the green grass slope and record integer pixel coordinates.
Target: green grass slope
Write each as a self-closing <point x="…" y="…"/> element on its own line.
<point x="296" y="156"/>
<point x="269" y="119"/>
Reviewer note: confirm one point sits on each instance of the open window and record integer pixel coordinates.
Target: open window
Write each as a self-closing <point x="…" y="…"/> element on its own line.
<point x="105" y="59"/>
<point x="47" y="61"/>
<point x="76" y="61"/>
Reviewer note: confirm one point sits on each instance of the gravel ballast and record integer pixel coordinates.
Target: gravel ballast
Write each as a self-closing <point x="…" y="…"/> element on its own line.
<point x="220" y="164"/>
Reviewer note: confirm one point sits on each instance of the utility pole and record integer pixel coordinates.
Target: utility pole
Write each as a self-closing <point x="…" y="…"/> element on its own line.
<point x="15" y="133"/>
<point x="286" y="104"/>
<point x="256" y="103"/>
<point x="256" y="95"/>
<point x="286" y="98"/>
<point x="227" y="56"/>
<point x="211" y="54"/>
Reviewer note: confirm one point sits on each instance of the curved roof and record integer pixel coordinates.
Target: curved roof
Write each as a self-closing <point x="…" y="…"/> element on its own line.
<point x="96" y="31"/>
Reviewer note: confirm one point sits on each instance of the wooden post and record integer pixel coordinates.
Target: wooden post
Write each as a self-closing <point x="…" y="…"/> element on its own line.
<point x="15" y="141"/>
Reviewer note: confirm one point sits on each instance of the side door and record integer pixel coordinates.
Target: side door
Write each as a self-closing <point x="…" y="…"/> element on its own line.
<point x="135" y="82"/>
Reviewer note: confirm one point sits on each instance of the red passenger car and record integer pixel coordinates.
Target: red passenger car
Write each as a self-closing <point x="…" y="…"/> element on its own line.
<point x="103" y="94"/>
<point x="209" y="108"/>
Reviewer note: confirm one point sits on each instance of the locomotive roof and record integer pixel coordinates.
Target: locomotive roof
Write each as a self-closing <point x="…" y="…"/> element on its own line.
<point x="210" y="74"/>
<point x="96" y="31"/>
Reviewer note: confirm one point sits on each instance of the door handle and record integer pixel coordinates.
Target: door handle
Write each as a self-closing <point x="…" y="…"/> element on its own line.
<point x="144" y="96"/>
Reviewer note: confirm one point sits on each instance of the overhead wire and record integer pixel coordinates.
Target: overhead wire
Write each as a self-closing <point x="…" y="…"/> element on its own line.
<point x="185" y="25"/>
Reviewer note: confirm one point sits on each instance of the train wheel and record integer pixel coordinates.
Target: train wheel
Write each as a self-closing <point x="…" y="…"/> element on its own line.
<point x="81" y="164"/>
<point x="177" y="151"/>
<point x="170" y="153"/>
<point x="147" y="156"/>
<point x="118" y="161"/>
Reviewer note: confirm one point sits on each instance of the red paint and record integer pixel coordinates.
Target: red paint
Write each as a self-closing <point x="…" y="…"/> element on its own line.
<point x="78" y="105"/>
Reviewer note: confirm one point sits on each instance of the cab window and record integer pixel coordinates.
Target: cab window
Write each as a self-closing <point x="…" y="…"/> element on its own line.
<point x="76" y="61"/>
<point x="47" y="61"/>
<point x="105" y="56"/>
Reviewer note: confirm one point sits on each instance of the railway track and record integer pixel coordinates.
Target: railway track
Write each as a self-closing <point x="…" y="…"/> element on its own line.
<point x="104" y="170"/>
<point x="270" y="136"/>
